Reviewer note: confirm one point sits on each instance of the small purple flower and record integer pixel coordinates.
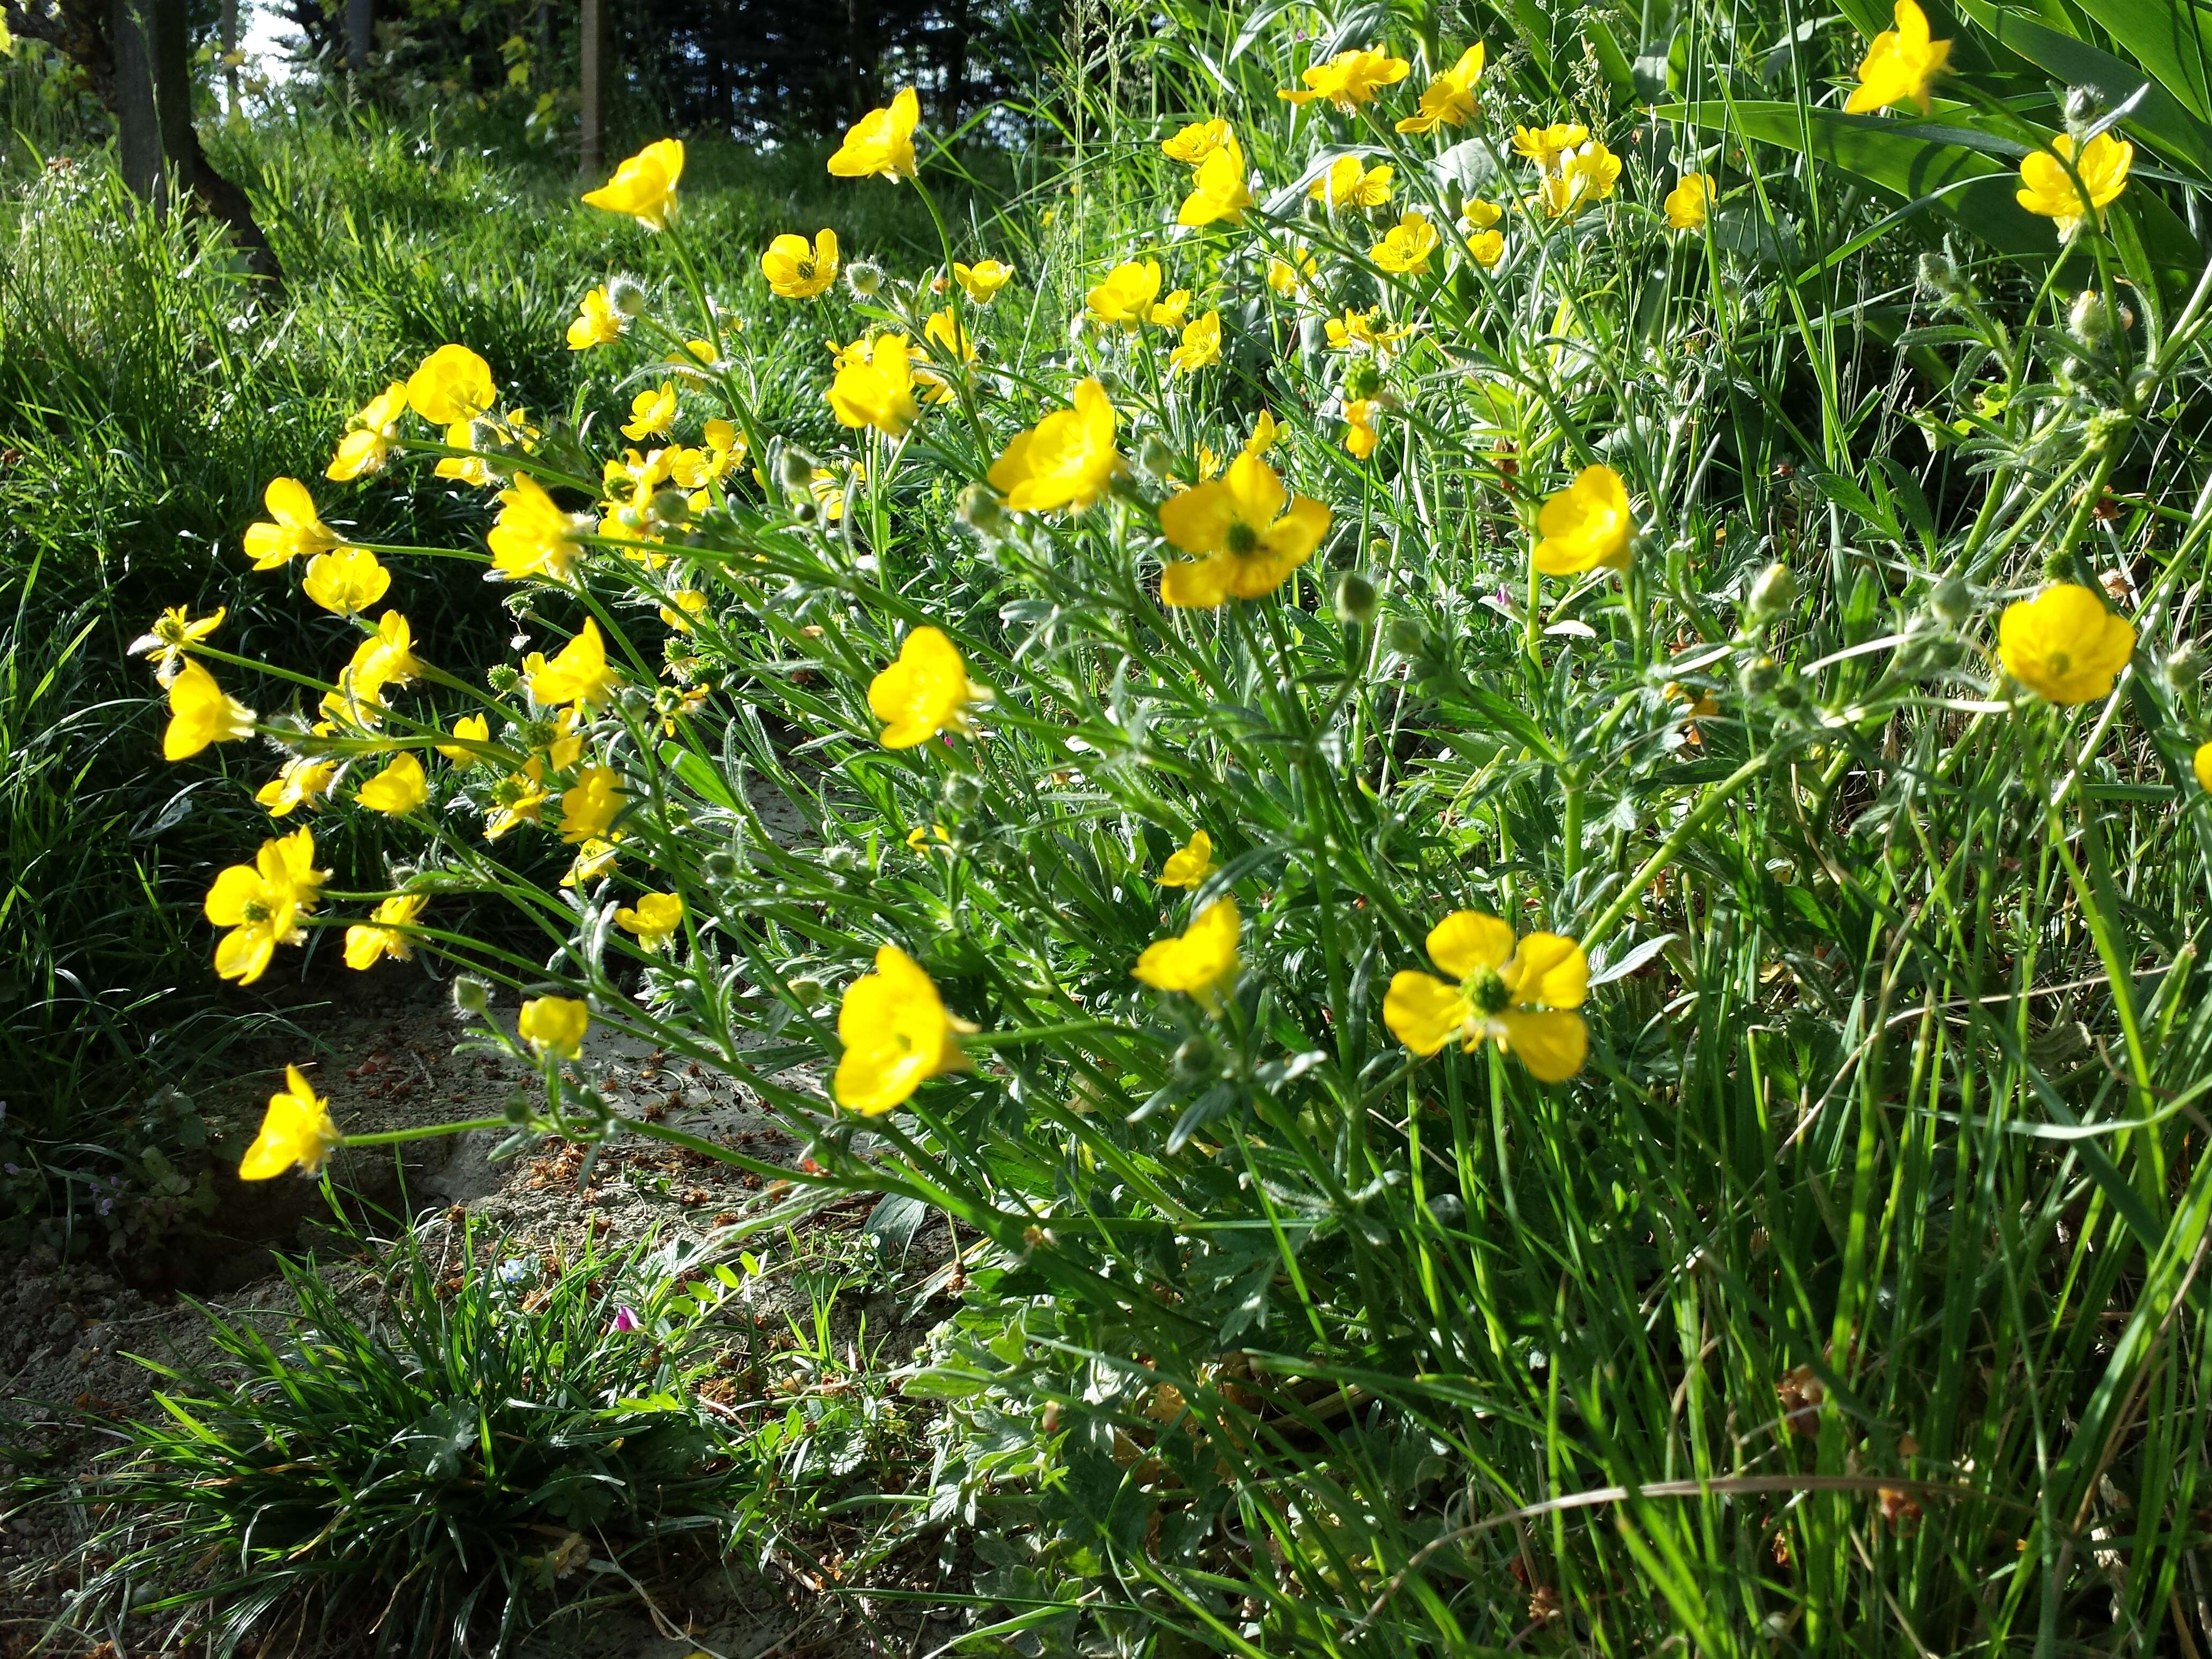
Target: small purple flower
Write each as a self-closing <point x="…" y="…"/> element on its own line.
<point x="10" y="1169"/>
<point x="626" y="1320"/>
<point x="514" y="1270"/>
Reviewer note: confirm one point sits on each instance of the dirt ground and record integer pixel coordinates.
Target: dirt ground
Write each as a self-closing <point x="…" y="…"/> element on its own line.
<point x="387" y="1060"/>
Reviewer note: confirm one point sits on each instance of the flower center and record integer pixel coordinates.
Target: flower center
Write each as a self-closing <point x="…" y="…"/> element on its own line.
<point x="255" y="911"/>
<point x="2061" y="662"/>
<point x="1244" y="540"/>
<point x="1486" y="991"/>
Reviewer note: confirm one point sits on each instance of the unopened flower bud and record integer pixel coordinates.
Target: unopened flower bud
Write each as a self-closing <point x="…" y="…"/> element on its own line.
<point x="670" y="505"/>
<point x="981" y="510"/>
<point x="1407" y="637"/>
<point x="962" y="792"/>
<point x="1355" y="599"/>
<point x="795" y="468"/>
<point x="1760" y="676"/>
<point x="627" y="294"/>
<point x="805" y="990"/>
<point x="1154" y="457"/>
<point x="518" y="1108"/>
<point x="1940" y="275"/>
<point x="864" y="279"/>
<point x="2085" y="106"/>
<point x="472" y="995"/>
<point x="720" y="864"/>
<point x="2090" y="318"/>
<point x="2184" y="665"/>
<point x="1952" y="600"/>
<point x="1196" y="1058"/>
<point x="2142" y="387"/>
<point x="1774" y="593"/>
<point x="1363" y="379"/>
<point x="503" y="677"/>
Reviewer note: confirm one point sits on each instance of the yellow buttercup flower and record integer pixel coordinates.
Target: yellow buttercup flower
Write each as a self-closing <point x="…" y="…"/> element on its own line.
<point x="981" y="281"/>
<point x="2046" y="188"/>
<point x="2066" y="644"/>
<point x="469" y="729"/>
<point x="1200" y="960"/>
<point x="597" y="322"/>
<point x="877" y="389"/>
<point x="470" y="467"/>
<point x="1068" y="459"/>
<point x="2201" y="764"/>
<point x="579" y="675"/>
<point x="1521" y="997"/>
<point x="1189" y="865"/>
<point x="654" y="919"/>
<point x="1449" y="100"/>
<point x="1405" y="251"/>
<point x="1690" y="203"/>
<point x="1487" y="248"/>
<point x="1586" y="525"/>
<point x="201" y="713"/>
<point x="1358" y="331"/>
<point x="398" y="790"/>
<point x="171" y="637"/>
<point x="953" y="343"/>
<point x="880" y="144"/>
<point x="1127" y="294"/>
<point x="294" y="530"/>
<point x="1247" y="532"/>
<point x="1360" y="437"/>
<point x="1200" y="347"/>
<point x="589" y="810"/>
<point x="367" y="441"/>
<point x="644" y="186"/>
<point x="922" y="692"/>
<point x="385" y="658"/>
<point x="1287" y="276"/>
<point x="828" y="488"/>
<point x="532" y="537"/>
<point x="296" y="1129"/>
<point x="796" y="271"/>
<point x="1265" y="431"/>
<point x="345" y="580"/>
<point x="454" y="385"/>
<point x="368" y="942"/>
<point x="593" y="859"/>
<point x="1587" y="173"/>
<point x="1349" y="79"/>
<point x="896" y="1033"/>
<point x="1171" y="312"/>
<point x="262" y="902"/>
<point x="1349" y="183"/>
<point x="1545" y="146"/>
<point x="1900" y="64"/>
<point x="651" y="412"/>
<point x="303" y="781"/>
<point x="1220" y="190"/>
<point x="1196" y="141"/>
<point x="516" y="799"/>
<point x="555" y="1025"/>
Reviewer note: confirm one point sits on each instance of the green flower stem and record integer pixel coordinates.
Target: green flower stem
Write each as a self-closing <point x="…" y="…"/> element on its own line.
<point x="1717" y="796"/>
<point x="422" y="1132"/>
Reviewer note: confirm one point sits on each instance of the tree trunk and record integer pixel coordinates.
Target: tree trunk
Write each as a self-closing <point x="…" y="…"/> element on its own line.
<point x="230" y="59"/>
<point x="137" y="126"/>
<point x="360" y="33"/>
<point x="591" y="74"/>
<point x="189" y="168"/>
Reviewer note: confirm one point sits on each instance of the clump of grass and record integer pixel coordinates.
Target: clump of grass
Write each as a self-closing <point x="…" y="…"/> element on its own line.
<point x="431" y="1451"/>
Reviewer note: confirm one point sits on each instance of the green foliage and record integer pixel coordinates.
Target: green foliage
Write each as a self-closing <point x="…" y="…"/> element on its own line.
<point x="431" y="1450"/>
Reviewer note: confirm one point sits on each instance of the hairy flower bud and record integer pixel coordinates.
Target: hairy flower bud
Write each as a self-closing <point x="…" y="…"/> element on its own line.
<point x="795" y="468"/>
<point x="720" y="864"/>
<point x="1355" y="599"/>
<point x="503" y="677"/>
<point x="2085" y="106"/>
<point x="2185" y="665"/>
<point x="864" y="279"/>
<point x="1760" y="676"/>
<point x="1952" y="601"/>
<point x="981" y="510"/>
<point x="627" y="294"/>
<point x="472" y="995"/>
<point x="1407" y="637"/>
<point x="1774" y="593"/>
<point x="1196" y="1058"/>
<point x="1155" y="459"/>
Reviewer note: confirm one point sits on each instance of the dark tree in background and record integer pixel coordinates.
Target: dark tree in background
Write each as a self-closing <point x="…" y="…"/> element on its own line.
<point x="749" y="67"/>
